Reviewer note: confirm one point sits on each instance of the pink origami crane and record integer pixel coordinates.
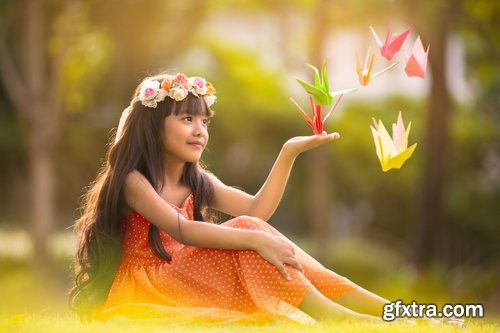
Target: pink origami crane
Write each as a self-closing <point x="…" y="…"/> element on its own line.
<point x="365" y="72"/>
<point x="416" y="64"/>
<point x="392" y="42"/>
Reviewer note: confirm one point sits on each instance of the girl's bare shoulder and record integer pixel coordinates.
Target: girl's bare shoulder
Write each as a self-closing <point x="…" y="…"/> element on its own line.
<point x="214" y="180"/>
<point x="136" y="182"/>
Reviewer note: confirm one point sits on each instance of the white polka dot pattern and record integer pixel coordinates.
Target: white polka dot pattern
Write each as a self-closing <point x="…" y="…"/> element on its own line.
<point x="210" y="285"/>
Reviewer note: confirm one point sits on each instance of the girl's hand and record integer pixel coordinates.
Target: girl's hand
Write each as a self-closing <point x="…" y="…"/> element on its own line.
<point x="278" y="251"/>
<point x="300" y="144"/>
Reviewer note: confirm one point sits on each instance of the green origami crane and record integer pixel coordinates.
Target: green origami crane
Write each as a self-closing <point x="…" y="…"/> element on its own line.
<point x="319" y="90"/>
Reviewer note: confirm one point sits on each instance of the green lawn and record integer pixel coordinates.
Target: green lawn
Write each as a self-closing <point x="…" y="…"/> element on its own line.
<point x="32" y="303"/>
<point x="68" y="323"/>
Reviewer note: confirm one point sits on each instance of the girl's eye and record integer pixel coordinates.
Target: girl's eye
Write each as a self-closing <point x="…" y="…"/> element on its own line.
<point x="188" y="119"/>
<point x="206" y="122"/>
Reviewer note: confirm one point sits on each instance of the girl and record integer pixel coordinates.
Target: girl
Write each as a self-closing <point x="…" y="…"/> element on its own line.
<point x="145" y="252"/>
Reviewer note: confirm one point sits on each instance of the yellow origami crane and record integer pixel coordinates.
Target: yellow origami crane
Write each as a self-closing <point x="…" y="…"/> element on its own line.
<point x="392" y="152"/>
<point x="365" y="72"/>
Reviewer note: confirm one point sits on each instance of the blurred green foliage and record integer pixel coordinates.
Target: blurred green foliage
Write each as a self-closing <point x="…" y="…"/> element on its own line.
<point x="254" y="118"/>
<point x="373" y="213"/>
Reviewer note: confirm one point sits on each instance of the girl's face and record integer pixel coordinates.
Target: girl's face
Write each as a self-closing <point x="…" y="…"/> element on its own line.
<point x="185" y="136"/>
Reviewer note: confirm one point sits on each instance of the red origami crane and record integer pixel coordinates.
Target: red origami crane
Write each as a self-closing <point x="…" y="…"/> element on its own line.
<point x="392" y="42"/>
<point x="416" y="64"/>
<point x="316" y="122"/>
<point x="319" y="94"/>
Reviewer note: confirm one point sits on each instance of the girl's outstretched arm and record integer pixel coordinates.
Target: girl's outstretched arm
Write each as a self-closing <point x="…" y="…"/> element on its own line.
<point x="263" y="204"/>
<point x="141" y="197"/>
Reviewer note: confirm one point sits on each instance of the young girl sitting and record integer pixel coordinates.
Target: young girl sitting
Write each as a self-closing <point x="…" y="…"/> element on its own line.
<point x="145" y="249"/>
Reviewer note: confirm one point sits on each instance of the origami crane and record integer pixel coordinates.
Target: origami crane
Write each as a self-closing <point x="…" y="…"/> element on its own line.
<point x="392" y="42"/>
<point x="416" y="65"/>
<point x="364" y="73"/>
<point x="319" y="90"/>
<point x="392" y="152"/>
<point x="320" y="94"/>
<point x="316" y="122"/>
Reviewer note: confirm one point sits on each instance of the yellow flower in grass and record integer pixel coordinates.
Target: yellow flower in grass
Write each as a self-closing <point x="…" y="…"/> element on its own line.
<point x="392" y="152"/>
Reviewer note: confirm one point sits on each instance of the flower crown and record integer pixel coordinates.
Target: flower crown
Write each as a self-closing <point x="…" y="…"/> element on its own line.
<point x="176" y="87"/>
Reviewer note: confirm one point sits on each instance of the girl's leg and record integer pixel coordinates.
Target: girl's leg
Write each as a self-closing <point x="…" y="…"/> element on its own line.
<point x="320" y="307"/>
<point x="316" y="304"/>
<point x="363" y="301"/>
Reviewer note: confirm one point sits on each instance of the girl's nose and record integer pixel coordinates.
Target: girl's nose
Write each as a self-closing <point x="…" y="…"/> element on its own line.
<point x="199" y="129"/>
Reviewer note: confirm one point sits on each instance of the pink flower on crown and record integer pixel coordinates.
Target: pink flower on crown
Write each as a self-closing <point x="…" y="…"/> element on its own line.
<point x="181" y="80"/>
<point x="198" y="85"/>
<point x="176" y="87"/>
<point x="150" y="93"/>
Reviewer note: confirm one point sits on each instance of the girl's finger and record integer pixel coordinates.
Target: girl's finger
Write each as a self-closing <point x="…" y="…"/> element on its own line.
<point x="283" y="272"/>
<point x="334" y="135"/>
<point x="294" y="263"/>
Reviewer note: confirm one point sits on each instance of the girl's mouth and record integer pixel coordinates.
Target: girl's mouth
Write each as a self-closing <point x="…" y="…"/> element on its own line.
<point x="197" y="144"/>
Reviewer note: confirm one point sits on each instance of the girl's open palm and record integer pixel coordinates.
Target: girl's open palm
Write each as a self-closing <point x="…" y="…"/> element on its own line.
<point x="300" y="144"/>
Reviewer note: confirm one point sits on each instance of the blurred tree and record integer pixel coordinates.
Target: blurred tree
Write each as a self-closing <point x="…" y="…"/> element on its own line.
<point x="319" y="168"/>
<point x="437" y="21"/>
<point x="54" y="60"/>
<point x="478" y="26"/>
<point x="163" y="34"/>
<point x="41" y="82"/>
<point x="146" y="38"/>
<point x="434" y="21"/>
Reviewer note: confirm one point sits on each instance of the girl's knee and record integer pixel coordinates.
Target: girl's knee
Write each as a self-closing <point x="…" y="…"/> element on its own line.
<point x="246" y="222"/>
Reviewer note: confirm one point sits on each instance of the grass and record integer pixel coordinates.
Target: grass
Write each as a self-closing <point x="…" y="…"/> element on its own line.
<point x="69" y="323"/>
<point x="30" y="303"/>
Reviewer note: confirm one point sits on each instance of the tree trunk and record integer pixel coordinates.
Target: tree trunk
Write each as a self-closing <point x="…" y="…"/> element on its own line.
<point x="319" y="196"/>
<point x="42" y="183"/>
<point x="430" y="229"/>
<point x="318" y="164"/>
<point x="39" y="131"/>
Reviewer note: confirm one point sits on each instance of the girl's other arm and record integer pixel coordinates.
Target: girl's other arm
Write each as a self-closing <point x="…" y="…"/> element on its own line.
<point x="263" y="204"/>
<point x="142" y="198"/>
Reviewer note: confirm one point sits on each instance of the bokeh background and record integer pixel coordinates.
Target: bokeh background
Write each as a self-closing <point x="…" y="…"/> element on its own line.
<point x="428" y="232"/>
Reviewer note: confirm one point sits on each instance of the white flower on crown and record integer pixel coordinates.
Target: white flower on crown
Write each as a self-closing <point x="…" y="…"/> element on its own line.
<point x="177" y="93"/>
<point x="176" y="87"/>
<point x="210" y="99"/>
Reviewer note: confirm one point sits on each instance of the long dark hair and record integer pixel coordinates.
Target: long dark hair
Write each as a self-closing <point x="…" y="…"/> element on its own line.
<point x="99" y="229"/>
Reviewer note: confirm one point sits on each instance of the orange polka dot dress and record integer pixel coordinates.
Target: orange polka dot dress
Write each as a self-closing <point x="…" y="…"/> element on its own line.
<point x="201" y="285"/>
